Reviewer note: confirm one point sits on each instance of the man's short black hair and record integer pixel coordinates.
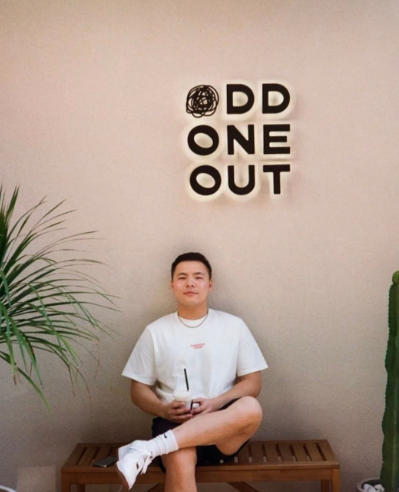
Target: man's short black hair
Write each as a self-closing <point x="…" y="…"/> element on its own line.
<point x="191" y="257"/>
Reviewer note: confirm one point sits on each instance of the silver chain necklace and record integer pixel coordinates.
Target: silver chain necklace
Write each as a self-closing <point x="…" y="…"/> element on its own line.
<point x="193" y="326"/>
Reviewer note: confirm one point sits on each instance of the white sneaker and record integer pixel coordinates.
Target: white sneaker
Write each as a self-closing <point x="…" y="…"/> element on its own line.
<point x="133" y="459"/>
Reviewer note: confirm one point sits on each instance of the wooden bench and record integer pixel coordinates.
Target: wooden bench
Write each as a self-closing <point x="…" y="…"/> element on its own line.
<point x="258" y="461"/>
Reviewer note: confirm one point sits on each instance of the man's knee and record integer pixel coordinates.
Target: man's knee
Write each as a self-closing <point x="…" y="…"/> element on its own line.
<point x="248" y="411"/>
<point x="180" y="461"/>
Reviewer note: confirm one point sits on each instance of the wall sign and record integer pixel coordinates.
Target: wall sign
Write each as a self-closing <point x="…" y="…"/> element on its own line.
<point x="243" y="142"/>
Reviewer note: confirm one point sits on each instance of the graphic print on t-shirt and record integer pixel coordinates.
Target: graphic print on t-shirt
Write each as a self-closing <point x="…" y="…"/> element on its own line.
<point x="197" y="345"/>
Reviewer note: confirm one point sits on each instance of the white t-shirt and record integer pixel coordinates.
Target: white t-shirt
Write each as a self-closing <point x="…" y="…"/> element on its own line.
<point x="214" y="355"/>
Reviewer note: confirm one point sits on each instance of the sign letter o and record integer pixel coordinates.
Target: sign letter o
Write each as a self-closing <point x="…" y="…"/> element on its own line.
<point x="198" y="149"/>
<point x="204" y="190"/>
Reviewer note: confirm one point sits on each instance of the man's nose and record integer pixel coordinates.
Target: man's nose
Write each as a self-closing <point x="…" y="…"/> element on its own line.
<point x="190" y="281"/>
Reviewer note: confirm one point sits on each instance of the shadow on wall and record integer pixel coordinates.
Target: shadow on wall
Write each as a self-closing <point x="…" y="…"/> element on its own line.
<point x="33" y="478"/>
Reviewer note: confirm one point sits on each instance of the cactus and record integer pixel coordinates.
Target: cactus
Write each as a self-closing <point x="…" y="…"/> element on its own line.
<point x="390" y="423"/>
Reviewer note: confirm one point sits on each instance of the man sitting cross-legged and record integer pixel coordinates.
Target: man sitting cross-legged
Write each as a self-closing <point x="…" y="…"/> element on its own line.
<point x="212" y="351"/>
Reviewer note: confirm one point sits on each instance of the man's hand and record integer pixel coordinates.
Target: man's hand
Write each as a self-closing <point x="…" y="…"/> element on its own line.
<point x="176" y="411"/>
<point x="206" y="405"/>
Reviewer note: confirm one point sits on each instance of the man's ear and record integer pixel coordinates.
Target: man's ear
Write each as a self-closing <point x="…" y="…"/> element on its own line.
<point x="210" y="284"/>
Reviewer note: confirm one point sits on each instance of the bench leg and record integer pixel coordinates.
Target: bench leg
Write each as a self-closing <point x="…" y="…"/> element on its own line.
<point x="242" y="487"/>
<point x="335" y="481"/>
<point x="325" y="486"/>
<point x="65" y="483"/>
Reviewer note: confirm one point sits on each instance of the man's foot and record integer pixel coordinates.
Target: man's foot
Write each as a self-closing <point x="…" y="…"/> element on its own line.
<point x="133" y="459"/>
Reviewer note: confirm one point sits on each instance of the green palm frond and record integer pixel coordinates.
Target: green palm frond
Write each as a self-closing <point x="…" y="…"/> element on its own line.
<point x="46" y="304"/>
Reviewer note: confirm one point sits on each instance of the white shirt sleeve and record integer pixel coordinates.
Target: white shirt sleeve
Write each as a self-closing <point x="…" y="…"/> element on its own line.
<point x="141" y="364"/>
<point x="250" y="358"/>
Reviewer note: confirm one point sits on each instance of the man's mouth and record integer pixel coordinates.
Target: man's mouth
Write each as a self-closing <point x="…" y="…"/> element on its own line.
<point x="190" y="293"/>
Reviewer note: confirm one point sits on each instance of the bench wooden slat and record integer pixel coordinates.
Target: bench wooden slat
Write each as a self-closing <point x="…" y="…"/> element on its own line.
<point x="243" y="455"/>
<point x="286" y="453"/>
<point x="256" y="452"/>
<point x="271" y="453"/>
<point x="327" y="451"/>
<point x="114" y="451"/>
<point x="75" y="456"/>
<point x="313" y="452"/>
<point x="103" y="452"/>
<point x="88" y="455"/>
<point x="299" y="451"/>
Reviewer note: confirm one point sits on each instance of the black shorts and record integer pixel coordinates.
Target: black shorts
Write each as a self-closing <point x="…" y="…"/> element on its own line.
<point x="205" y="454"/>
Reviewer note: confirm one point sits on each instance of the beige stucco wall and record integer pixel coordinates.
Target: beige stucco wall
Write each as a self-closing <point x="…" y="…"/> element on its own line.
<point x="92" y="110"/>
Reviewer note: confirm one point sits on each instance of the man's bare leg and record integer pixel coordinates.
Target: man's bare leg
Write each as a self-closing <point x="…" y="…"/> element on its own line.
<point x="180" y="470"/>
<point x="228" y="428"/>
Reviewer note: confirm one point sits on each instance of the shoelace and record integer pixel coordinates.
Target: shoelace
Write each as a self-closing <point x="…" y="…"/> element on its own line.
<point x="146" y="457"/>
<point x="147" y="461"/>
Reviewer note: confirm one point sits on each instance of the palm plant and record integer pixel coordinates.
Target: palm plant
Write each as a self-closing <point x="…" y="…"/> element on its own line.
<point x="45" y="302"/>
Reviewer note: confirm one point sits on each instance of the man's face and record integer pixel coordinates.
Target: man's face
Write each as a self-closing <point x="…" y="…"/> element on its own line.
<point x="191" y="283"/>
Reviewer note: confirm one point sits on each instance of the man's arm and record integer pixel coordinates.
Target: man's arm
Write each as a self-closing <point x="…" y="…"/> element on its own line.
<point x="144" y="397"/>
<point x="248" y="385"/>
